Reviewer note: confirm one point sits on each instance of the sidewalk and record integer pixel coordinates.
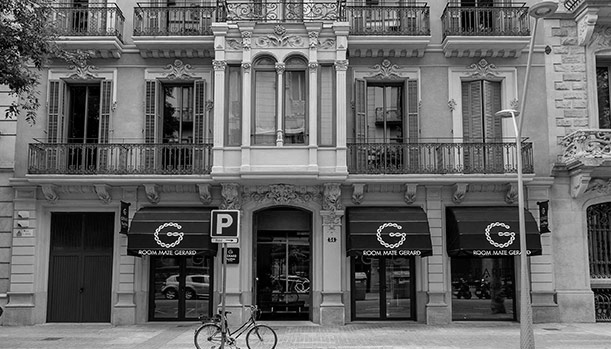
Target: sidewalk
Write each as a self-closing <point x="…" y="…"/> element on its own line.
<point x="362" y="336"/>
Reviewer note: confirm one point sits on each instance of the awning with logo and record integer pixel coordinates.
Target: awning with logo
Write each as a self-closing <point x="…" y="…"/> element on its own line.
<point x="489" y="231"/>
<point x="170" y="231"/>
<point x="388" y="231"/>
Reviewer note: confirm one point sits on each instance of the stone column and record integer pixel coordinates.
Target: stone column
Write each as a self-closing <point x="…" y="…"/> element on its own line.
<point x="280" y="67"/>
<point x="246" y="29"/>
<point x="219" y="63"/>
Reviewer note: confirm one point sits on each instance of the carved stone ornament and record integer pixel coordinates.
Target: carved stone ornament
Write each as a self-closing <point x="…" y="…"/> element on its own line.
<point x="452" y="104"/>
<point x="482" y="70"/>
<point x="313" y="66"/>
<point x="204" y="193"/>
<point x="358" y="193"/>
<point x="219" y="65"/>
<point x="313" y="38"/>
<point x="152" y="193"/>
<point x="341" y="65"/>
<point x="280" y="39"/>
<point x="103" y="192"/>
<point x="332" y="197"/>
<point x="246" y="40"/>
<point x="410" y="193"/>
<point x="601" y="38"/>
<point x="599" y="185"/>
<point x="327" y="44"/>
<point x="50" y="193"/>
<point x="283" y="194"/>
<point x="587" y="144"/>
<point x="232" y="197"/>
<point x="580" y="183"/>
<point x="246" y="67"/>
<point x="235" y="44"/>
<point x="178" y="70"/>
<point x="280" y="67"/>
<point x="386" y="70"/>
<point x="515" y="104"/>
<point x="460" y="192"/>
<point x="331" y="222"/>
<point x="586" y="24"/>
<point x="511" y="196"/>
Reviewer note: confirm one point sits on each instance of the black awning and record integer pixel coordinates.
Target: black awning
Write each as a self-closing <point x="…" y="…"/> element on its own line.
<point x="170" y="231"/>
<point x="388" y="231"/>
<point x="489" y="231"/>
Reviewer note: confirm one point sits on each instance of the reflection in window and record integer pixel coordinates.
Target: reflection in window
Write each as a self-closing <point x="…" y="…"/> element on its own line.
<point x="264" y="124"/>
<point x="234" y="107"/>
<point x="295" y="101"/>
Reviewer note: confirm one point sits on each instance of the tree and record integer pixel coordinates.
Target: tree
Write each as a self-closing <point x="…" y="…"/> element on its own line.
<point x="26" y="44"/>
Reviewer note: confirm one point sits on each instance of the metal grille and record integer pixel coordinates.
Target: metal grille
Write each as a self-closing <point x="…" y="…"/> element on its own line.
<point x="599" y="240"/>
<point x="572" y="4"/>
<point x="602" y="304"/>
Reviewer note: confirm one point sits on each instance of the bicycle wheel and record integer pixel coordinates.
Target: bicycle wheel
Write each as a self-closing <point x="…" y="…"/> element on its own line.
<point x="208" y="336"/>
<point x="261" y="337"/>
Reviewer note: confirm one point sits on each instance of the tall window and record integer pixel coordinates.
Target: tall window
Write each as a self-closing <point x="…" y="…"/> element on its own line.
<point x="604" y="99"/>
<point x="326" y="105"/>
<point x="265" y="99"/>
<point x="599" y="240"/>
<point x="233" y="126"/>
<point x="295" y="101"/>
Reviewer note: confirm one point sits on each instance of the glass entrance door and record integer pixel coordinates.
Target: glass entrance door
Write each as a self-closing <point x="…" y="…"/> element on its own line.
<point x="283" y="274"/>
<point x="181" y="287"/>
<point x="383" y="288"/>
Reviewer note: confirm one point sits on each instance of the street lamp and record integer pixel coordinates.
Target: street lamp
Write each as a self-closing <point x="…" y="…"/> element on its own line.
<point x="527" y="336"/>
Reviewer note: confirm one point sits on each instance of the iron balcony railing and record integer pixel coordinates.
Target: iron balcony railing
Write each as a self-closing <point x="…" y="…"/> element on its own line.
<point x="486" y="21"/>
<point x="119" y="158"/>
<point x="279" y="11"/>
<point x="437" y="158"/>
<point x="93" y="19"/>
<point x="153" y="20"/>
<point x="572" y="4"/>
<point x="602" y="304"/>
<point x="413" y="19"/>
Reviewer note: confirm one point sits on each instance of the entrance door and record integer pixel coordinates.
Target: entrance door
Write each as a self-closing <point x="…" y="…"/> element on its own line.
<point x="383" y="288"/>
<point x="180" y="288"/>
<point x="80" y="267"/>
<point x="283" y="262"/>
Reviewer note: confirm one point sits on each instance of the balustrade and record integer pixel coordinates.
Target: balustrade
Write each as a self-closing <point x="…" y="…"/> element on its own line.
<point x="486" y="21"/>
<point x="388" y="20"/>
<point x="94" y="19"/>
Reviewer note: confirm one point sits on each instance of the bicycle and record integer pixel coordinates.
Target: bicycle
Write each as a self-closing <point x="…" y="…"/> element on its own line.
<point x="209" y="334"/>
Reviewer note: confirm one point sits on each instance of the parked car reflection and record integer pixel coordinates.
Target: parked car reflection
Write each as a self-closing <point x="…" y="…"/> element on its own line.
<point x="196" y="286"/>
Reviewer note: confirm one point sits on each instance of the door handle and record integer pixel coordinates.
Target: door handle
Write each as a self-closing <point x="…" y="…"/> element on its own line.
<point x="81" y="290"/>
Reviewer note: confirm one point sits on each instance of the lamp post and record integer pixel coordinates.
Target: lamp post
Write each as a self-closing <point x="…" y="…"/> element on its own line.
<point x="527" y="336"/>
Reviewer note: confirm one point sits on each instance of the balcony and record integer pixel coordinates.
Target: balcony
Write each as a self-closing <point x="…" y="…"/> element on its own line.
<point x="437" y="158"/>
<point x="96" y="27"/>
<point x="495" y="31"/>
<point x="119" y="159"/>
<point x="388" y="31"/>
<point x="174" y="31"/>
<point x="285" y="12"/>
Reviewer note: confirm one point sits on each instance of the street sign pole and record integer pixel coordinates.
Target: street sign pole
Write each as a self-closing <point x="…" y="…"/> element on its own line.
<point x="223" y="289"/>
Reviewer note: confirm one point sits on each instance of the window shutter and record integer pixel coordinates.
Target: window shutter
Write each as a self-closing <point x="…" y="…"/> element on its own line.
<point x="202" y="125"/>
<point x="412" y="110"/>
<point x="105" y="107"/>
<point x="492" y="104"/>
<point x="360" y="105"/>
<point x="472" y="110"/>
<point x="56" y="112"/>
<point x="150" y="111"/>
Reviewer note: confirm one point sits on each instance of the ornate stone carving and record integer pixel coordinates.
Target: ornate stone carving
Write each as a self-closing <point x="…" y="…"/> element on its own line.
<point x="204" y="193"/>
<point x="235" y="44"/>
<point x="386" y="70"/>
<point x="50" y="192"/>
<point x="332" y="197"/>
<point x="283" y="193"/>
<point x="78" y="63"/>
<point x="246" y="40"/>
<point x="313" y="66"/>
<point x="152" y="193"/>
<point x="511" y="196"/>
<point x="341" y="65"/>
<point x="313" y="38"/>
<point x="601" y="38"/>
<point x="579" y="183"/>
<point x="452" y="104"/>
<point x="358" y="193"/>
<point x="280" y="67"/>
<point x="515" y="104"/>
<point x="219" y="65"/>
<point x="246" y="67"/>
<point x="332" y="221"/>
<point x="280" y="39"/>
<point x="103" y="192"/>
<point x="178" y="70"/>
<point x="599" y="185"/>
<point x="326" y="44"/>
<point x="586" y="24"/>
<point x="460" y="191"/>
<point x="232" y="197"/>
<point x="482" y="70"/>
<point x="410" y="193"/>
<point x="591" y="144"/>
<point x="209" y="105"/>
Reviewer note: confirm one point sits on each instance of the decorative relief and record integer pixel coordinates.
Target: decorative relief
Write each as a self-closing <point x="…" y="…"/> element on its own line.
<point x="219" y="65"/>
<point x="204" y="193"/>
<point x="599" y="185"/>
<point x="209" y="105"/>
<point x="358" y="193"/>
<point x="313" y="66"/>
<point x="179" y="70"/>
<point x="246" y="40"/>
<point x="152" y="193"/>
<point x="482" y="70"/>
<point x="586" y="26"/>
<point x="332" y="197"/>
<point x="601" y="38"/>
<point x="280" y="39"/>
<point x="280" y="67"/>
<point x="232" y="198"/>
<point x="452" y="104"/>
<point x="103" y="193"/>
<point x="246" y="67"/>
<point x="326" y="44"/>
<point x="587" y="144"/>
<point x="580" y="183"/>
<point x="284" y="193"/>
<point x="313" y="37"/>
<point x="511" y="196"/>
<point x="78" y="60"/>
<point x="460" y="191"/>
<point x="410" y="193"/>
<point x="515" y="104"/>
<point x="235" y="44"/>
<point x="341" y="65"/>
<point x="50" y="192"/>
<point x="385" y="70"/>
<point x="332" y="222"/>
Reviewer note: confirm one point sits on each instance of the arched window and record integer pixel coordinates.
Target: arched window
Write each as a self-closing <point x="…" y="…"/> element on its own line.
<point x="264" y="103"/>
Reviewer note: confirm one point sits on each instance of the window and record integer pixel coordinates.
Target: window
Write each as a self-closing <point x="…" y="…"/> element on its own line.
<point x="599" y="240"/>
<point x="604" y="99"/>
<point x="326" y="106"/>
<point x="265" y="96"/>
<point x="233" y="109"/>
<point x="295" y="102"/>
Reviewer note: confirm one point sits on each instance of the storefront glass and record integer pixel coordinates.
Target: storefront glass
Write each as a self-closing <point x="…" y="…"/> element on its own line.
<point x="382" y="288"/>
<point x="181" y="287"/>
<point x="483" y="288"/>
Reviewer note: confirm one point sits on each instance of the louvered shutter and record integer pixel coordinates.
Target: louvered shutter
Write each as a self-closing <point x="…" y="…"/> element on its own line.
<point x="413" y="128"/>
<point x="56" y="121"/>
<point x="202" y="127"/>
<point x="150" y="120"/>
<point x="493" y="127"/>
<point x="104" y="125"/>
<point x="359" y="154"/>
<point x="472" y="126"/>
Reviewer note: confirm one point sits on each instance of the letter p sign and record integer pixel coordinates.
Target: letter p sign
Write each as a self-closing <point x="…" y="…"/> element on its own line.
<point x="225" y="226"/>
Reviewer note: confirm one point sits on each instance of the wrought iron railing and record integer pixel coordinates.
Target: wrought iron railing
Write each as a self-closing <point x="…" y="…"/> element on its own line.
<point x="602" y="304"/>
<point x="572" y="4"/>
<point x="437" y="158"/>
<point x="152" y="20"/>
<point x="119" y="158"/>
<point x="278" y="11"/>
<point x="94" y="19"/>
<point x="411" y="19"/>
<point x="486" y="21"/>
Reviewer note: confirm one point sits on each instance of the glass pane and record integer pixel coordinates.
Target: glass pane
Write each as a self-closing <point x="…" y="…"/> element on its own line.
<point x="367" y="286"/>
<point x="171" y="114"/>
<point x="326" y="121"/>
<point x="483" y="289"/>
<point x="197" y="287"/>
<point x="604" y="113"/>
<point x="398" y="287"/>
<point x="234" y="110"/>
<point x="294" y="107"/>
<point x="265" y="108"/>
<point x="385" y="114"/>
<point x="165" y="286"/>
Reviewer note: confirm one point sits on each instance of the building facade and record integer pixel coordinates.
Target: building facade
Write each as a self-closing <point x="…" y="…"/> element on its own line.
<point x="358" y="141"/>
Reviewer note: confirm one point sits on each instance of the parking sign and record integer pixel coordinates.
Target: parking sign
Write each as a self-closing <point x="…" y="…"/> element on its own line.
<point x="225" y="226"/>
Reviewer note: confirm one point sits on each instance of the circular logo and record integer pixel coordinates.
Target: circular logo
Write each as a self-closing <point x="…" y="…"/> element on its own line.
<point x="392" y="234"/>
<point x="510" y="234"/>
<point x="177" y="234"/>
